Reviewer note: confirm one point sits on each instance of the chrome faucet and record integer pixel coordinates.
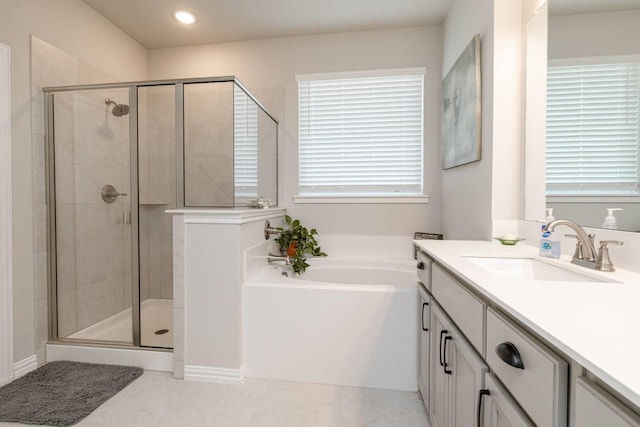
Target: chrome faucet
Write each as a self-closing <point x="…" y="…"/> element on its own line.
<point x="585" y="254"/>
<point x="273" y="258"/>
<point x="604" y="263"/>
<point x="587" y="257"/>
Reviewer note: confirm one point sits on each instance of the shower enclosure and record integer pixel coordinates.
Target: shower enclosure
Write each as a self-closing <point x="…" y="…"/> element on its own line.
<point x="119" y="157"/>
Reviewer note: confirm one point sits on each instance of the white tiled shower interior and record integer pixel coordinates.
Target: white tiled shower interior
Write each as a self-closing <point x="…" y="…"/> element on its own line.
<point x="94" y="248"/>
<point x="157" y="183"/>
<point x="208" y="148"/>
<point x="53" y="67"/>
<point x="93" y="242"/>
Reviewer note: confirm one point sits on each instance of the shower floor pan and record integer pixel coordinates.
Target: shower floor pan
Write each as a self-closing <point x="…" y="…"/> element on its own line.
<point x="156" y="315"/>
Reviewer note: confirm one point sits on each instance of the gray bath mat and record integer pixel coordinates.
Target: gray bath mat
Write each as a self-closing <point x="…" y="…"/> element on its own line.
<point x="62" y="393"/>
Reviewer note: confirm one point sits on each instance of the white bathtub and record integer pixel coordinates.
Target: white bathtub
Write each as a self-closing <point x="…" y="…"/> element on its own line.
<point x="345" y="321"/>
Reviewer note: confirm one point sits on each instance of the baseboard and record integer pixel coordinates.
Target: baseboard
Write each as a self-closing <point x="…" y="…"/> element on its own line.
<point x="213" y="375"/>
<point x="25" y="366"/>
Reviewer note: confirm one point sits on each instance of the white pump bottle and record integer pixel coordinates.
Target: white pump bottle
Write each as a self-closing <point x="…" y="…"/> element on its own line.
<point x="549" y="215"/>
<point x="610" y="220"/>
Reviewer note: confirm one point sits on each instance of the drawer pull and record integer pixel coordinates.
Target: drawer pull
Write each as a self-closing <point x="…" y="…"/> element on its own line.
<point x="509" y="354"/>
<point x="420" y="265"/>
<point x="424" y="304"/>
<point x="482" y="394"/>
<point x="442" y="334"/>
<point x="446" y="371"/>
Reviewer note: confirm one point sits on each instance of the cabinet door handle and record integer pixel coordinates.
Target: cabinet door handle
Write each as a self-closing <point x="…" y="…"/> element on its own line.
<point x="509" y="354"/>
<point x="424" y="304"/>
<point x="442" y="333"/>
<point x="446" y="371"/>
<point x="420" y="265"/>
<point x="480" y="421"/>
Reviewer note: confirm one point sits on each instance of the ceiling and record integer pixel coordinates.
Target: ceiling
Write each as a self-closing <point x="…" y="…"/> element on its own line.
<point x="151" y="23"/>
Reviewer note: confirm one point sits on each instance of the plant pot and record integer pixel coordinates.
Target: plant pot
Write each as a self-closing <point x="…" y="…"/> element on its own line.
<point x="291" y="250"/>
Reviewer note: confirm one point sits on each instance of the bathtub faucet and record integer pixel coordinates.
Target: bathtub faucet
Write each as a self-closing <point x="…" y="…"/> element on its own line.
<point x="272" y="258"/>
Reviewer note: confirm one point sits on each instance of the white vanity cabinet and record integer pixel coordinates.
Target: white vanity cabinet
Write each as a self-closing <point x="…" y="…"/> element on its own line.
<point x="424" y="343"/>
<point x="594" y="407"/>
<point x="489" y="346"/>
<point x="499" y="408"/>
<point x="466" y="310"/>
<point x="457" y="374"/>
<point x="465" y="333"/>
<point x="535" y="376"/>
<point x="424" y="267"/>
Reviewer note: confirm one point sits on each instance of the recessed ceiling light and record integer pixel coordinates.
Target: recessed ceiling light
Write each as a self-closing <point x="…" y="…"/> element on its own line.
<point x="184" y="16"/>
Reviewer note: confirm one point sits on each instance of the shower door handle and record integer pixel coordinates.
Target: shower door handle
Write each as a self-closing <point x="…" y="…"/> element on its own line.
<point x="126" y="217"/>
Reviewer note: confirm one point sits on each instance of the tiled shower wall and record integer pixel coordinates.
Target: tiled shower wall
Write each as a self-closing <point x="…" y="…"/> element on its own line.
<point x="94" y="243"/>
<point x="88" y="290"/>
<point x="208" y="146"/>
<point x="157" y="183"/>
<point x="94" y="251"/>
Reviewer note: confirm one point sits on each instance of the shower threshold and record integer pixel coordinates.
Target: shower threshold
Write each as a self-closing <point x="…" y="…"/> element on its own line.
<point x="155" y="315"/>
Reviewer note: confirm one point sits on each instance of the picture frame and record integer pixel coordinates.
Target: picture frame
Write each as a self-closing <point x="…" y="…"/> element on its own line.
<point x="461" y="109"/>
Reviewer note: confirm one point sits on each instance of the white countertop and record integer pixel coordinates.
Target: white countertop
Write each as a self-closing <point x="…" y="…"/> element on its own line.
<point x="596" y="324"/>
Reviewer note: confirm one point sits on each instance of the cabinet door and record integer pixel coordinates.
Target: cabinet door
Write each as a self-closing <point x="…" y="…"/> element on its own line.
<point x="540" y="384"/>
<point x="424" y="344"/>
<point x="465" y="381"/>
<point x="499" y="409"/>
<point x="438" y="391"/>
<point x="596" y="408"/>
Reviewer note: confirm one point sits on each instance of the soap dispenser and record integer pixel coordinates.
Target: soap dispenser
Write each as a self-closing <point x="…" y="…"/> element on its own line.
<point x="550" y="241"/>
<point x="610" y="219"/>
<point x="549" y="215"/>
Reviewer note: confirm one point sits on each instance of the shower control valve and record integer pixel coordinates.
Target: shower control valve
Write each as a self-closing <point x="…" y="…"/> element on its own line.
<point x="110" y="194"/>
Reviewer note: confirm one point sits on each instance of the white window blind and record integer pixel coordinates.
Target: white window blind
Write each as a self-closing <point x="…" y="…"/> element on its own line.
<point x="245" y="146"/>
<point x="361" y="136"/>
<point x="593" y="129"/>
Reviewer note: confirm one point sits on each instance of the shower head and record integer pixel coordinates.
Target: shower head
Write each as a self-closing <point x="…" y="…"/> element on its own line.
<point x="118" y="109"/>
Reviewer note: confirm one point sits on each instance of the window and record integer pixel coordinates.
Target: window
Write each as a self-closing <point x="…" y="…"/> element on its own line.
<point x="245" y="135"/>
<point x="593" y="129"/>
<point x="361" y="134"/>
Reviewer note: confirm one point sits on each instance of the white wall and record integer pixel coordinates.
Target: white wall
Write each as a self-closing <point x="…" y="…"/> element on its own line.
<point x="597" y="34"/>
<point x="467" y="190"/>
<point x="6" y="261"/>
<point x="477" y="194"/>
<point x="508" y="78"/>
<point x="74" y="27"/>
<point x="268" y="67"/>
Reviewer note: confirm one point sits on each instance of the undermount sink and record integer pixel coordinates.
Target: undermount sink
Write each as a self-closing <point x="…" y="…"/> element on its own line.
<point x="530" y="269"/>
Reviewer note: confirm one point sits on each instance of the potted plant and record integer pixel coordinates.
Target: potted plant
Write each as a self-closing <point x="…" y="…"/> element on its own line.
<point x="295" y="240"/>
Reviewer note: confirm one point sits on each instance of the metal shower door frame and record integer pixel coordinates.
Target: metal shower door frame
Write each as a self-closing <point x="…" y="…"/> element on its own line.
<point x="50" y="172"/>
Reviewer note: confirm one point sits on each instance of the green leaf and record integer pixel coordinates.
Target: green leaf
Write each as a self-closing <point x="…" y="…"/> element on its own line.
<point x="306" y="243"/>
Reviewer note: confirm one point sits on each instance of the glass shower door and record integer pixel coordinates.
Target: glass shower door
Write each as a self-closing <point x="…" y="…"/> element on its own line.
<point x="91" y="215"/>
<point x="157" y="183"/>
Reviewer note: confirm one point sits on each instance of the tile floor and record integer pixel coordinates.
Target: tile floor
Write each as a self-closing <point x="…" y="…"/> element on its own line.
<point x="156" y="399"/>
